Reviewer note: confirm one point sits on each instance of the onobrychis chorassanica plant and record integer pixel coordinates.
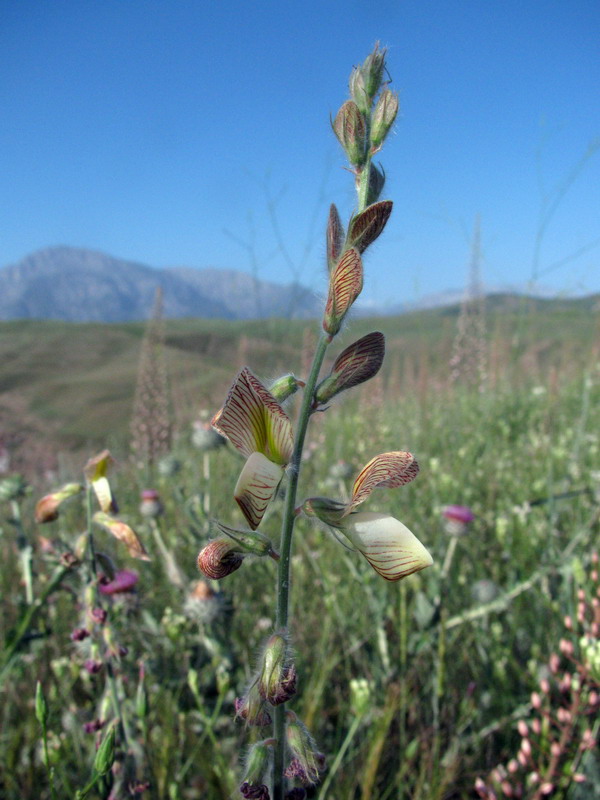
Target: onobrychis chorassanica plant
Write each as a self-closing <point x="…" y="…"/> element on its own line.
<point x="255" y="423"/>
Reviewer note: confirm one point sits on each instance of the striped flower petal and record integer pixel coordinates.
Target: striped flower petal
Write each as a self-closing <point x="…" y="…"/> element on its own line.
<point x="345" y="284"/>
<point x="387" y="470"/>
<point x="256" y="486"/>
<point x="390" y="548"/>
<point x="253" y="420"/>
<point x="95" y="472"/>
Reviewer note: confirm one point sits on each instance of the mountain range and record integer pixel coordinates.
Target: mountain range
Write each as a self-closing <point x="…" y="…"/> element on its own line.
<point x="80" y="285"/>
<point x="76" y="284"/>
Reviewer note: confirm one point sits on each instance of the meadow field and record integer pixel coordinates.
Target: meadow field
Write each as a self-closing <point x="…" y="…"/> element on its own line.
<point x="478" y="674"/>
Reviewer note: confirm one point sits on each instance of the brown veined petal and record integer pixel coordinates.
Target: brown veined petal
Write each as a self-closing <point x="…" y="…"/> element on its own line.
<point x="124" y="533"/>
<point x="368" y="225"/>
<point x="345" y="284"/>
<point x="387" y="470"/>
<point x="253" y="420"/>
<point x="389" y="546"/>
<point x="256" y="486"/>
<point x="357" y="363"/>
<point x="335" y="237"/>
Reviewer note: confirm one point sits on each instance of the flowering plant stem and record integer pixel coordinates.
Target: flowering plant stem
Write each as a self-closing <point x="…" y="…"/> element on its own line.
<point x="283" y="573"/>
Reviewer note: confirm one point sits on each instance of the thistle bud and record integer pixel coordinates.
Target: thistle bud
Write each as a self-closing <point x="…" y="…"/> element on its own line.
<point x="46" y="509"/>
<point x="285" y="387"/>
<point x="345" y="284"/>
<point x="277" y="679"/>
<point x="356" y="364"/>
<point x="335" y="237"/>
<point x="307" y="762"/>
<point x="350" y="128"/>
<point x="251" y="707"/>
<point x="150" y="505"/>
<point x="368" y="225"/>
<point x="219" y="558"/>
<point x="383" y="117"/>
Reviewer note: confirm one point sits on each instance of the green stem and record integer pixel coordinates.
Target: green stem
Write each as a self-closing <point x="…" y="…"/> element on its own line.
<point x="283" y="575"/>
<point x="27" y="619"/>
<point x="25" y="551"/>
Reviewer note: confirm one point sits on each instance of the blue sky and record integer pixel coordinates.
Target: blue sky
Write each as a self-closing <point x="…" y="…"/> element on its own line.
<point x="178" y="132"/>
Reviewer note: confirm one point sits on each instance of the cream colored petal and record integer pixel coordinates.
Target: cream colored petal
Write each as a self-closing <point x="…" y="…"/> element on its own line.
<point x="256" y="486"/>
<point x="390" y="548"/>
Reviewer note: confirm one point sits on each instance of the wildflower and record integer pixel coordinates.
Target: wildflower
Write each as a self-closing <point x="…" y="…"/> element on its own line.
<point x="259" y="428"/>
<point x="92" y="665"/>
<point x="219" y="558"/>
<point x="123" y="532"/>
<point x="345" y="284"/>
<point x="124" y="581"/>
<point x="203" y="603"/>
<point x="95" y="472"/>
<point x="79" y="634"/>
<point x="47" y="508"/>
<point x="94" y="726"/>
<point x="457" y="519"/>
<point x="389" y="546"/>
<point x="257" y="763"/>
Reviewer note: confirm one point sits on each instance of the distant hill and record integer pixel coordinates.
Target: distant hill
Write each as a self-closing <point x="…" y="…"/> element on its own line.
<point x="79" y="285"/>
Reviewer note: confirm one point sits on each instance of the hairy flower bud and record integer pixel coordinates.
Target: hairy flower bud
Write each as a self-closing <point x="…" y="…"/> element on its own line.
<point x="277" y="679"/>
<point x="307" y="762"/>
<point x="285" y="387"/>
<point x="105" y="754"/>
<point x="257" y="762"/>
<point x="350" y="127"/>
<point x="356" y="364"/>
<point x="358" y="90"/>
<point x="373" y="69"/>
<point x="383" y="117"/>
<point x="219" y="558"/>
<point x="252" y="707"/>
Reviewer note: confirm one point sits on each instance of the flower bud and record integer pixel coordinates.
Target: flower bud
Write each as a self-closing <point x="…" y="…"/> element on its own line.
<point x="105" y="755"/>
<point x="335" y="237"/>
<point x="285" y="387"/>
<point x="345" y="284"/>
<point x="252" y="707"/>
<point x="358" y="363"/>
<point x="41" y="707"/>
<point x="257" y="763"/>
<point x="350" y="128"/>
<point x="358" y="90"/>
<point x="123" y="582"/>
<point x="307" y="762"/>
<point x="367" y="226"/>
<point x="219" y="558"/>
<point x="383" y="117"/>
<point x="277" y="679"/>
<point x="373" y="69"/>
<point x="46" y="509"/>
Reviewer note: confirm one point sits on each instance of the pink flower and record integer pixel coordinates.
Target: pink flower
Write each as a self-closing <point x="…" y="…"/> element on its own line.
<point x="124" y="581"/>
